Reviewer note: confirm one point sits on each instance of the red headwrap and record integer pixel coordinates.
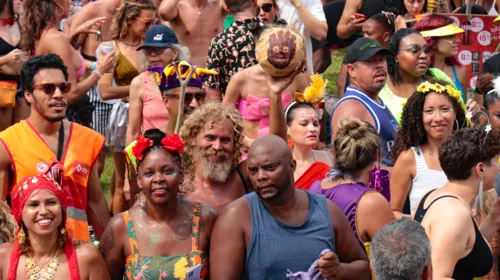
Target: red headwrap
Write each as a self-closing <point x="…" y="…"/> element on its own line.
<point x="24" y="190"/>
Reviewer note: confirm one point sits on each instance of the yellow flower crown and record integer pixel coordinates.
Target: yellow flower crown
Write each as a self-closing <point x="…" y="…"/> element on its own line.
<point x="314" y="93"/>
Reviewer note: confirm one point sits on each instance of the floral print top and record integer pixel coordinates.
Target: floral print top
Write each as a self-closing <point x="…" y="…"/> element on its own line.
<point x="231" y="51"/>
<point x="140" y="267"/>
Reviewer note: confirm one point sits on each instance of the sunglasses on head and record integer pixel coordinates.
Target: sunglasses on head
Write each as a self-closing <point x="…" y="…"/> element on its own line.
<point x="157" y="51"/>
<point x="50" y="88"/>
<point x="265" y="7"/>
<point x="188" y="98"/>
<point x="417" y="50"/>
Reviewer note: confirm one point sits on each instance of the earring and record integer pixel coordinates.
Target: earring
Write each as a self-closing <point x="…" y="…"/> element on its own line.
<point x="290" y="143"/>
<point x="458" y="126"/>
<point x="21" y="236"/>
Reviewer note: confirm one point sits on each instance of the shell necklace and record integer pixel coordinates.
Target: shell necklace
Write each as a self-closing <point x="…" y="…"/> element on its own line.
<point x="45" y="272"/>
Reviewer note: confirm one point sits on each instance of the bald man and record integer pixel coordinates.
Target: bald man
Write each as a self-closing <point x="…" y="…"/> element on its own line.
<point x="278" y="232"/>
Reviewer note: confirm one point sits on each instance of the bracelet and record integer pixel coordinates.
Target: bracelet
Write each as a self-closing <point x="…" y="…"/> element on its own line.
<point x="98" y="73"/>
<point x="94" y="66"/>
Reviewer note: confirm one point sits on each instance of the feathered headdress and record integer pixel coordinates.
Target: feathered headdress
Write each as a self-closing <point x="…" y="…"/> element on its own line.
<point x="313" y="94"/>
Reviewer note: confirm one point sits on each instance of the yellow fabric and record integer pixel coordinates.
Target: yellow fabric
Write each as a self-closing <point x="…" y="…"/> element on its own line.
<point x="367" y="249"/>
<point x="124" y="71"/>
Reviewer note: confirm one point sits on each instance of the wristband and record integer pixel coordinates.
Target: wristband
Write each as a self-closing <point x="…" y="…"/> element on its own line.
<point x="98" y="73"/>
<point x="94" y="66"/>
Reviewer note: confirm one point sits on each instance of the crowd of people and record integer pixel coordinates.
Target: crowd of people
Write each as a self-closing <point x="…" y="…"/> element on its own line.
<point x="226" y="162"/>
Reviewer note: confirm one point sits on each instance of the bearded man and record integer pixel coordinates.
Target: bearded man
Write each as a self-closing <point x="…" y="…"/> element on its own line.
<point x="213" y="141"/>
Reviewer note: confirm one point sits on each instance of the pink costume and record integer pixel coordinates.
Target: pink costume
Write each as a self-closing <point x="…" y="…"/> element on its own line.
<point x="154" y="113"/>
<point x="257" y="108"/>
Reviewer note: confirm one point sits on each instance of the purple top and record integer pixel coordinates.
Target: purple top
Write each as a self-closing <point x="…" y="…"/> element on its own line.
<point x="346" y="197"/>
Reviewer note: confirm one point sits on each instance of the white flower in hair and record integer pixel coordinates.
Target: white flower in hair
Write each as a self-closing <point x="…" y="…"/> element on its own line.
<point x="496" y="86"/>
<point x="488" y="128"/>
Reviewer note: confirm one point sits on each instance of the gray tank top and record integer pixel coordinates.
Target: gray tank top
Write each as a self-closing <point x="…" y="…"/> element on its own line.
<point x="276" y="248"/>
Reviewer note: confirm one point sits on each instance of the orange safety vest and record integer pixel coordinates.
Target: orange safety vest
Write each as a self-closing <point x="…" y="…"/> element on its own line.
<point x="30" y="155"/>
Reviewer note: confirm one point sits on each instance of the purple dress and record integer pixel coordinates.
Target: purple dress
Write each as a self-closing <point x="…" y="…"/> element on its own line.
<point x="346" y="197"/>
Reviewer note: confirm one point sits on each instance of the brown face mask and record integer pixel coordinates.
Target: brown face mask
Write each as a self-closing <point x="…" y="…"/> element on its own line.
<point x="281" y="49"/>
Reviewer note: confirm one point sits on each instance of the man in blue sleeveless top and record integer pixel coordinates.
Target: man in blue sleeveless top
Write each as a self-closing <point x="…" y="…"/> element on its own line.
<point x="368" y="73"/>
<point x="279" y="232"/>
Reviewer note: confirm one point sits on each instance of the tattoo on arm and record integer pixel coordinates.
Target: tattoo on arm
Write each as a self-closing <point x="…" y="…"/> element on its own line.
<point x="107" y="241"/>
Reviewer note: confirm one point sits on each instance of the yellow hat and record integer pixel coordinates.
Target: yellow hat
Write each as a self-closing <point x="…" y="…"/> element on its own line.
<point x="447" y="30"/>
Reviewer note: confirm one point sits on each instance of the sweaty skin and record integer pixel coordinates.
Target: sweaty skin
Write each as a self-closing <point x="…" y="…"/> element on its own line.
<point x="195" y="23"/>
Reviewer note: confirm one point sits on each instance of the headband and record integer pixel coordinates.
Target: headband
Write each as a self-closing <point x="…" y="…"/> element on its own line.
<point x="313" y="94"/>
<point x="167" y="78"/>
<point x="447" y="30"/>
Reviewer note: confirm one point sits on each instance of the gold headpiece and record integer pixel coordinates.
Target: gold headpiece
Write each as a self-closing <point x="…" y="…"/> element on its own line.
<point x="314" y="93"/>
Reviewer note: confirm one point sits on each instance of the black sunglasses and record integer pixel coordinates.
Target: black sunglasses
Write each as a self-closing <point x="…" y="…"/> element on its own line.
<point x="157" y="51"/>
<point x="266" y="8"/>
<point x="50" y="88"/>
<point x="188" y="98"/>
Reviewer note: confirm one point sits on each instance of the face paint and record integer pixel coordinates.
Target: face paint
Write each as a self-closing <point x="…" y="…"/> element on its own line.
<point x="309" y="116"/>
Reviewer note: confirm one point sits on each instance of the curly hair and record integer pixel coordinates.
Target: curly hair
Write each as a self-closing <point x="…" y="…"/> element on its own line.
<point x="467" y="147"/>
<point x="38" y="15"/>
<point x="214" y="113"/>
<point x="128" y="10"/>
<point x="411" y="131"/>
<point x="430" y="22"/>
<point x="394" y="45"/>
<point x="8" y="224"/>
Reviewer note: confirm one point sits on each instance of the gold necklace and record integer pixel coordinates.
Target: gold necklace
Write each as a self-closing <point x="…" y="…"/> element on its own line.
<point x="42" y="273"/>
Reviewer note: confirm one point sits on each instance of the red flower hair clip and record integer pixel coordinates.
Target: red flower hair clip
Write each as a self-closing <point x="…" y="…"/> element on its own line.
<point x="142" y="144"/>
<point x="173" y="143"/>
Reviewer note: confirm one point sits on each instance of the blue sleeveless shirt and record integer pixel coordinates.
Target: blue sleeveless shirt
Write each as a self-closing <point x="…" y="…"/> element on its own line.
<point x="385" y="123"/>
<point x="276" y="248"/>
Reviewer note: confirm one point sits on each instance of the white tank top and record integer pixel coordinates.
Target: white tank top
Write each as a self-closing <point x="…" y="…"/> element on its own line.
<point x="425" y="180"/>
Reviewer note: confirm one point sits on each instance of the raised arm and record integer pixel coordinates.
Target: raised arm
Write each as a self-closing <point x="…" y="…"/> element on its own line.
<point x="401" y="178"/>
<point x="313" y="17"/>
<point x="347" y="25"/>
<point x="135" y="109"/>
<point x="227" y="248"/>
<point x="168" y="10"/>
<point x="353" y="260"/>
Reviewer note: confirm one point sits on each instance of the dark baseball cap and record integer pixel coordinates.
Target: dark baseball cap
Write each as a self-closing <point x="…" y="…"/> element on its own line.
<point x="159" y="36"/>
<point x="364" y="49"/>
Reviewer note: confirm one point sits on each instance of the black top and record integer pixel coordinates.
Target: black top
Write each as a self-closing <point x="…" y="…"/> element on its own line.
<point x="478" y="262"/>
<point x="6" y="48"/>
<point x="492" y="65"/>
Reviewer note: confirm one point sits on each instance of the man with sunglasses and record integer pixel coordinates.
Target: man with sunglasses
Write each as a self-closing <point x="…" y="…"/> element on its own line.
<point x="234" y="49"/>
<point x="367" y="68"/>
<point x="27" y="148"/>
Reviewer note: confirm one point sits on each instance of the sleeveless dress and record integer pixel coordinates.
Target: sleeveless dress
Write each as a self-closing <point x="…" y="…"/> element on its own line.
<point x="142" y="267"/>
<point x="154" y="113"/>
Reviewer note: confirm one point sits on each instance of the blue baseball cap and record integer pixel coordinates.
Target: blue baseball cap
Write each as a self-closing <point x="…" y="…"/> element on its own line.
<point x="159" y="36"/>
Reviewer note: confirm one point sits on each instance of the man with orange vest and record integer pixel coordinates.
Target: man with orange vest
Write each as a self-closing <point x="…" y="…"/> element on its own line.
<point x="27" y="148"/>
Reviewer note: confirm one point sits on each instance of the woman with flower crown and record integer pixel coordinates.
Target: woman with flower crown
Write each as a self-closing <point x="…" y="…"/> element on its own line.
<point x="430" y="115"/>
<point x="165" y="236"/>
<point x="43" y="250"/>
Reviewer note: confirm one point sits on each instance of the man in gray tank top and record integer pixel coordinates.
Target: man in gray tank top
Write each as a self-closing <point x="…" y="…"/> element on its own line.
<point x="279" y="232"/>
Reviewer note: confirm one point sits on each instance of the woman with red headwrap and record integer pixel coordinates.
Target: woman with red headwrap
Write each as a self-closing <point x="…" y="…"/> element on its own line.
<point x="43" y="249"/>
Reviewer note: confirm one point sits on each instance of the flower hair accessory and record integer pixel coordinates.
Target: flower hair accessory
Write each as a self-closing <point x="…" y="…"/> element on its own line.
<point x="314" y="93"/>
<point x="140" y="146"/>
<point x="173" y="143"/>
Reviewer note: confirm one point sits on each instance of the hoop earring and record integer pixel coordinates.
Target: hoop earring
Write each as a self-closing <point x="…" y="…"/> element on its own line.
<point x="458" y="126"/>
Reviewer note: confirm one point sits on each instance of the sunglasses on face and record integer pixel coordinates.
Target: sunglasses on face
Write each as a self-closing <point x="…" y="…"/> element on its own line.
<point x="148" y="23"/>
<point x="50" y="88"/>
<point x="157" y="51"/>
<point x="265" y="7"/>
<point x="417" y="50"/>
<point x="188" y="98"/>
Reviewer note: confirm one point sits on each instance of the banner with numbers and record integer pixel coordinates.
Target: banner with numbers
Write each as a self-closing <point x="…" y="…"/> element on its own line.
<point x="478" y="43"/>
